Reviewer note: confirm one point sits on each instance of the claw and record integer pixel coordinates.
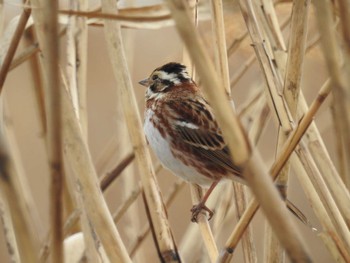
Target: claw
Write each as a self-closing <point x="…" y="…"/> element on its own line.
<point x="196" y="209"/>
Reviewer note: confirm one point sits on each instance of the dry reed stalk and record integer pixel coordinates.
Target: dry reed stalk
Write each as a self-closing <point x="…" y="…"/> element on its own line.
<point x="321" y="156"/>
<point x="196" y="190"/>
<point x="128" y="201"/>
<point x="221" y="199"/>
<point x="71" y="226"/>
<point x="77" y="61"/>
<point x="248" y="246"/>
<point x="2" y="17"/>
<point x="254" y="172"/>
<point x="324" y="162"/>
<point x="291" y="90"/>
<point x="285" y="153"/>
<point x="331" y="177"/>
<point x="220" y="52"/>
<point x="24" y="55"/>
<point x="38" y="82"/>
<point x="169" y="198"/>
<point x="344" y="11"/>
<point x="259" y="120"/>
<point x="220" y="49"/>
<point x="207" y="236"/>
<point x="341" y="93"/>
<point x="106" y="155"/>
<point x="112" y="175"/>
<point x="320" y="211"/>
<point x="118" y="17"/>
<point x="80" y="39"/>
<point x="332" y="248"/>
<point x="50" y="49"/>
<point x="249" y="62"/>
<point x="150" y="17"/>
<point x="77" y="153"/>
<point x="76" y="50"/>
<point x="271" y="19"/>
<point x="12" y="191"/>
<point x="162" y="233"/>
<point x="191" y="244"/>
<point x="130" y="178"/>
<point x="20" y="217"/>
<point x="324" y="195"/>
<point x="296" y="54"/>
<point x="5" y="65"/>
<point x="9" y="232"/>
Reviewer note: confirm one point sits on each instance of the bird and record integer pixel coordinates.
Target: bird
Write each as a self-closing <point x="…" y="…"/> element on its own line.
<point x="181" y="128"/>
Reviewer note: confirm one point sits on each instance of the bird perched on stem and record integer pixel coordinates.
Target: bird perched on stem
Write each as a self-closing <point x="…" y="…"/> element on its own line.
<point x="181" y="128"/>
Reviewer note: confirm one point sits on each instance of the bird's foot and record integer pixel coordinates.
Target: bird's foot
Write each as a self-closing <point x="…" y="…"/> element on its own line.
<point x="197" y="209"/>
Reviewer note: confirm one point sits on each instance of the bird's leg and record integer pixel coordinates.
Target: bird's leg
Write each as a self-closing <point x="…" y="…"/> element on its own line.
<point x="196" y="209"/>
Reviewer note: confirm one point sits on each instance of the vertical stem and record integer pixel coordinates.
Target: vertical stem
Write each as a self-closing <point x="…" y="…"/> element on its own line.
<point x="291" y="90"/>
<point x="341" y="92"/>
<point x="53" y="106"/>
<point x="162" y="232"/>
<point x="220" y="49"/>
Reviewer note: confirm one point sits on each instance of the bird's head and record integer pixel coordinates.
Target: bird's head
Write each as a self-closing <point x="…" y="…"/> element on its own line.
<point x="164" y="77"/>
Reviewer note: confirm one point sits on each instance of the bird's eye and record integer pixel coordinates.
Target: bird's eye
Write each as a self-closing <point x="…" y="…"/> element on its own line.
<point x="154" y="77"/>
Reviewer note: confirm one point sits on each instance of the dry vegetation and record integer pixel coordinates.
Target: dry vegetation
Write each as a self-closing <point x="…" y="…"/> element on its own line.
<point x="73" y="157"/>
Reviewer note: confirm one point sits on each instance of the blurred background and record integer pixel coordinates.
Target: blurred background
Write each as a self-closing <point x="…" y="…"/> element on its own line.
<point x="108" y="142"/>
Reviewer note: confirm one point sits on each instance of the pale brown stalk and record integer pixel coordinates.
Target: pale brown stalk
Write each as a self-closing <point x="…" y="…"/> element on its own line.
<point x="37" y="79"/>
<point x="2" y="17"/>
<point x="285" y="153"/>
<point x="325" y="196"/>
<point x="76" y="48"/>
<point x="341" y="92"/>
<point x="271" y="18"/>
<point x="255" y="173"/>
<point x="11" y="190"/>
<point x="296" y="54"/>
<point x="207" y="236"/>
<point x="162" y="233"/>
<point x="117" y="17"/>
<point x="24" y="55"/>
<point x="220" y="44"/>
<point x="291" y="90"/>
<point x="320" y="154"/>
<point x="344" y="13"/>
<point x="332" y="247"/>
<point x="109" y="177"/>
<point x="5" y="65"/>
<point x="128" y="201"/>
<point x="50" y="50"/>
<point x="248" y="245"/>
<point x="331" y="176"/>
<point x="169" y="198"/>
<point x="9" y="232"/>
<point x="76" y="152"/>
<point x="302" y="172"/>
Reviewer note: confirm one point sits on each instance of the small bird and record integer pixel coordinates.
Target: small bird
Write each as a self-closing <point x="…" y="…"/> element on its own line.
<point x="182" y="130"/>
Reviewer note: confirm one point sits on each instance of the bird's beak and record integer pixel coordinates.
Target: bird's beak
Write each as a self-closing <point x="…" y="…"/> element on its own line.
<point x="145" y="82"/>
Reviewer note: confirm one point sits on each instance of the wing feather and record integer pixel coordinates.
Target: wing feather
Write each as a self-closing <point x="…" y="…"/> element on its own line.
<point x="195" y="124"/>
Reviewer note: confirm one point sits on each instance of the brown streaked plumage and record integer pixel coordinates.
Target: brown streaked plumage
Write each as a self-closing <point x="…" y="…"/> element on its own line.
<point x="182" y="130"/>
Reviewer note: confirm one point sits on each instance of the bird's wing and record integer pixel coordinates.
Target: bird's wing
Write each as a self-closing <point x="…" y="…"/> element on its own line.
<point x="194" y="122"/>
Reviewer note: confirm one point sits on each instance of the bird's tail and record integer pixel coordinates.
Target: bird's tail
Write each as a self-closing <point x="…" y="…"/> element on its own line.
<point x="298" y="214"/>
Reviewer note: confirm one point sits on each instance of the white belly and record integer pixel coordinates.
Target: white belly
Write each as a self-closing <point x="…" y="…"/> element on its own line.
<point x="161" y="147"/>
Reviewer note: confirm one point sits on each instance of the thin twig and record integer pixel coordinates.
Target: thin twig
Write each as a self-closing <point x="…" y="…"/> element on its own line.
<point x="5" y="66"/>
